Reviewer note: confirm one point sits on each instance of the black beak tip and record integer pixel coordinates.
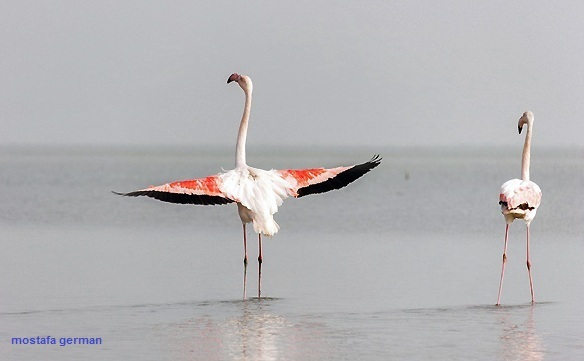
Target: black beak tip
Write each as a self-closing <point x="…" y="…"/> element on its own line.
<point x="519" y="128"/>
<point x="232" y="77"/>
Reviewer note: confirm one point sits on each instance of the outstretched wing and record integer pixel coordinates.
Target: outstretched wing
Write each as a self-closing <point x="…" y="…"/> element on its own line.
<point x="203" y="191"/>
<point x="320" y="180"/>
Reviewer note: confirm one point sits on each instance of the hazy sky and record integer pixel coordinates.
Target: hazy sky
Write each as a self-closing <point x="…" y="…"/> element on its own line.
<point x="324" y="72"/>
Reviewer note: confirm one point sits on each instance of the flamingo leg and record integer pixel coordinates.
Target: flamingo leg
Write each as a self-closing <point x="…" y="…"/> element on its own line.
<point x="260" y="266"/>
<point x="503" y="266"/>
<point x="244" y="262"/>
<point x="529" y="268"/>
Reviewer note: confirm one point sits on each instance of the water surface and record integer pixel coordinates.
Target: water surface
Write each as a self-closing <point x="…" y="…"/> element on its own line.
<point x="403" y="264"/>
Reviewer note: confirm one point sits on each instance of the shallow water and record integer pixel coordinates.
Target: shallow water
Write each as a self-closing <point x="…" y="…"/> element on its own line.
<point x="404" y="264"/>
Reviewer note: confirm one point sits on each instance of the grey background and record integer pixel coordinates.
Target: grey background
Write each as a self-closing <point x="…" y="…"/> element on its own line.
<point x="346" y="73"/>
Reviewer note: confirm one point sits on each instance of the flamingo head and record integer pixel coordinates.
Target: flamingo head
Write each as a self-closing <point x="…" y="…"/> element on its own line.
<point x="244" y="81"/>
<point x="526" y="118"/>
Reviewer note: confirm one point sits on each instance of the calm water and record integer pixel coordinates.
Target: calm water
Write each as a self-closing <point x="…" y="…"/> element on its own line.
<point x="402" y="265"/>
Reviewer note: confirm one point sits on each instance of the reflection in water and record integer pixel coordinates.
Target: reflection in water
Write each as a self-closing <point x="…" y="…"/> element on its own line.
<point x="520" y="341"/>
<point x="254" y="334"/>
<point x="249" y="331"/>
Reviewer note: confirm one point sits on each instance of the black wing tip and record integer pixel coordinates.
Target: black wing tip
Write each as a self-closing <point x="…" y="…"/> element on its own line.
<point x="375" y="161"/>
<point x="376" y="158"/>
<point x="365" y="167"/>
<point x="131" y="194"/>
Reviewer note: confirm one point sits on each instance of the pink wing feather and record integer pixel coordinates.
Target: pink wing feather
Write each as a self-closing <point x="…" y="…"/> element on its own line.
<point x="203" y="191"/>
<point x="319" y="180"/>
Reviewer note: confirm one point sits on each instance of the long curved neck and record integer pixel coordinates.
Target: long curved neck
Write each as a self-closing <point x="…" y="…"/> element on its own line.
<point x="525" y="159"/>
<point x="242" y="135"/>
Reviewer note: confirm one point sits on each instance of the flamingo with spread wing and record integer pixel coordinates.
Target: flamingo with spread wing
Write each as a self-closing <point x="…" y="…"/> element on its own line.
<point x="258" y="193"/>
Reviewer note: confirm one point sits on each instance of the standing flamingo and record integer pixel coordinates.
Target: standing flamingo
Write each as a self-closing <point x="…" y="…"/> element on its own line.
<point x="519" y="198"/>
<point x="258" y="193"/>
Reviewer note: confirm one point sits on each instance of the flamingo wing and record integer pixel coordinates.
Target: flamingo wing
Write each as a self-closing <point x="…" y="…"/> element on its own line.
<point x="320" y="180"/>
<point x="202" y="191"/>
<point x="517" y="193"/>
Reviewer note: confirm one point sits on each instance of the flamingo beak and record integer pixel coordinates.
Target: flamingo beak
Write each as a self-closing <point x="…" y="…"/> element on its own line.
<point x="520" y="128"/>
<point x="233" y="77"/>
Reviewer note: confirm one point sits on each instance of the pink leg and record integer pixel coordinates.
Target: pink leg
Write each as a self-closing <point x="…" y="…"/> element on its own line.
<point x="529" y="268"/>
<point x="244" y="262"/>
<point x="503" y="267"/>
<point x="260" y="266"/>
